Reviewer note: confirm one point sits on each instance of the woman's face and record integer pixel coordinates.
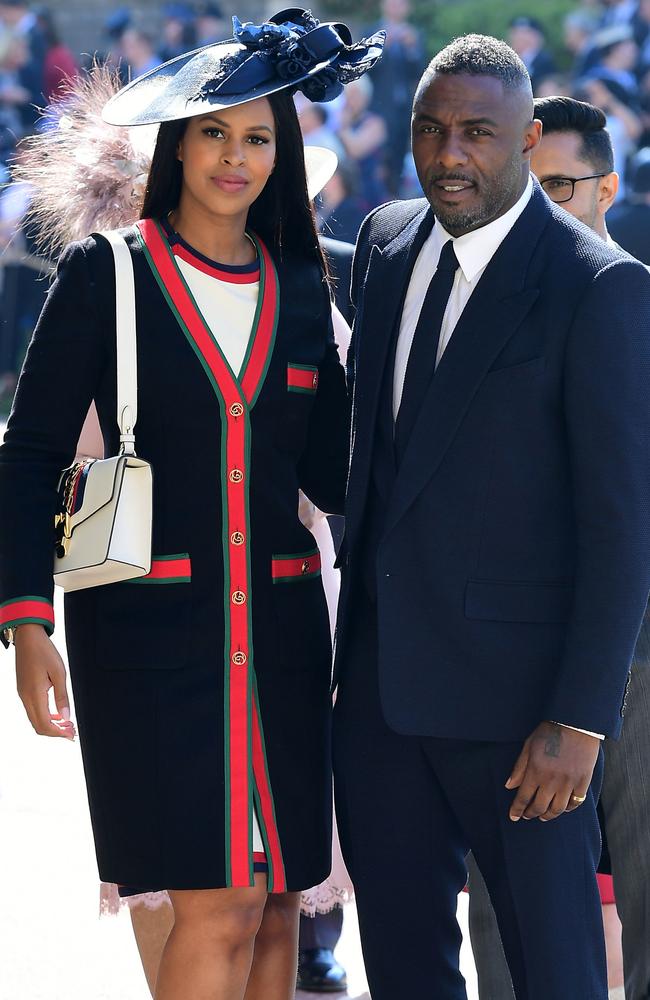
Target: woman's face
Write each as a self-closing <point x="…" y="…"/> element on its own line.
<point x="228" y="156"/>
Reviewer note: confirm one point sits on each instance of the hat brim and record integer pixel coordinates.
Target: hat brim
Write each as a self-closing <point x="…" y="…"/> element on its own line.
<point x="320" y="167"/>
<point x="161" y="94"/>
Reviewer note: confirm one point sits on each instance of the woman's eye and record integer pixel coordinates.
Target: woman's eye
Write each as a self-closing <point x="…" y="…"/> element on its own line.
<point x="212" y="132"/>
<point x="257" y="140"/>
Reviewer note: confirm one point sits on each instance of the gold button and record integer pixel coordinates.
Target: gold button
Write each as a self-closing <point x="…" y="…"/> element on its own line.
<point x="239" y="659"/>
<point x="305" y="566"/>
<point x="236" y="476"/>
<point x="236" y="410"/>
<point x="237" y="538"/>
<point x="239" y="597"/>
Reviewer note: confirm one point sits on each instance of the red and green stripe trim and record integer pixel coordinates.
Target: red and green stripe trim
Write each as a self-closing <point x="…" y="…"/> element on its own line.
<point x="266" y="816"/>
<point x="28" y="610"/>
<point x="289" y="569"/>
<point x="235" y="398"/>
<point x="168" y="569"/>
<point x="302" y="378"/>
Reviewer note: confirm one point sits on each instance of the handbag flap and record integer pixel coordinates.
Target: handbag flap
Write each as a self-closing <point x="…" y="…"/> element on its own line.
<point x="103" y="481"/>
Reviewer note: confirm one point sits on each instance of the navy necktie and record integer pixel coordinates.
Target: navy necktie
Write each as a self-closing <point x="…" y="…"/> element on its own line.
<point x="422" y="359"/>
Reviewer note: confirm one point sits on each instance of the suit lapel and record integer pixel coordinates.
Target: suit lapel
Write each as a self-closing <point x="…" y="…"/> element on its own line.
<point x="494" y="312"/>
<point x="384" y="288"/>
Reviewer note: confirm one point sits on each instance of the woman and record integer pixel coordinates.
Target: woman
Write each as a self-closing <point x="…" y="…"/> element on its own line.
<point x="363" y="134"/>
<point x="197" y="700"/>
<point x="60" y="65"/>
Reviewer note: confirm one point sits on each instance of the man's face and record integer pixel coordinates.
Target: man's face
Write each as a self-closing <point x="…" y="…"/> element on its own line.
<point x="559" y="156"/>
<point x="472" y="140"/>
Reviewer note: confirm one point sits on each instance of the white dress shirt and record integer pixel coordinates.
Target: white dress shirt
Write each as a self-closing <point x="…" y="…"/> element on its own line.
<point x="474" y="252"/>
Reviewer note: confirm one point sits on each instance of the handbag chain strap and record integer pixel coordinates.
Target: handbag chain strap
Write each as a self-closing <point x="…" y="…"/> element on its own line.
<point x="127" y="356"/>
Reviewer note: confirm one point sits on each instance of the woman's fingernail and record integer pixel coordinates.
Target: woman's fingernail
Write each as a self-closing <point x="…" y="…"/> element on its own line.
<point x="65" y="713"/>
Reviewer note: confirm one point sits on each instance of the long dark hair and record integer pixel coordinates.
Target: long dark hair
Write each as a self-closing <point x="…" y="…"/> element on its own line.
<point x="281" y="215"/>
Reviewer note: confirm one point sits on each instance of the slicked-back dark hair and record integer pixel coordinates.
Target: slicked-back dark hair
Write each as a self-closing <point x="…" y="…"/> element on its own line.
<point x="565" y="114"/>
<point x="478" y="55"/>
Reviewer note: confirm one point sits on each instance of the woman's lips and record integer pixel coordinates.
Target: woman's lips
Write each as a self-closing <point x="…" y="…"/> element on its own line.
<point x="230" y="184"/>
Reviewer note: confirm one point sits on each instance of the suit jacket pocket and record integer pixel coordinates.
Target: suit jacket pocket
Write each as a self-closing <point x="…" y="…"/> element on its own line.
<point x="143" y="627"/>
<point x="522" y="369"/>
<point x="511" y="601"/>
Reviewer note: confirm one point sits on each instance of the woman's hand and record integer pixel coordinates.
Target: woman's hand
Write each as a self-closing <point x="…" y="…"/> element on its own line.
<point x="39" y="668"/>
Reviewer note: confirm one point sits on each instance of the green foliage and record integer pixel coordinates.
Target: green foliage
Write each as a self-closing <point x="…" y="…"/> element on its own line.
<point x="442" y="20"/>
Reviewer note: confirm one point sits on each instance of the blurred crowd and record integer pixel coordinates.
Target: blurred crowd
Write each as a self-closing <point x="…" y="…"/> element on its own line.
<point x="604" y="58"/>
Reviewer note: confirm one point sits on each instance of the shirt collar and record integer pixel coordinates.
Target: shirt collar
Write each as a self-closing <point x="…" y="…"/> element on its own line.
<point x="475" y="250"/>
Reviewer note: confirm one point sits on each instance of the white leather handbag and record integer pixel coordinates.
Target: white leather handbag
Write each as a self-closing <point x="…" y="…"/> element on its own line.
<point x="103" y="525"/>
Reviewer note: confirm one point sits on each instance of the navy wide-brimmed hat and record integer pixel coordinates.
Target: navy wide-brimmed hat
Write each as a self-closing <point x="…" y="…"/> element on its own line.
<point x="293" y="49"/>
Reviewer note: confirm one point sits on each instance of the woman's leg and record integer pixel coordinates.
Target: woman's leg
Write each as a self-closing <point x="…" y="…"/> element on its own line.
<point x="151" y="928"/>
<point x="209" y="951"/>
<point x="275" y="963"/>
<point x="612" y="926"/>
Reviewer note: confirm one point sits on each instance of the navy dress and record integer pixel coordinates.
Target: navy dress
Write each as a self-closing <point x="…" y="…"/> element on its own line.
<point x="198" y="691"/>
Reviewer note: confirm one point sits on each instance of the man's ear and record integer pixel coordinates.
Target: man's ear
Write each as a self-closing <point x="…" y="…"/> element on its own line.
<point x="532" y="137"/>
<point x="607" y="191"/>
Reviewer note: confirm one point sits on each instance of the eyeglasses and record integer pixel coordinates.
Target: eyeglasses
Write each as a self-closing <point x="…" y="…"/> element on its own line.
<point x="561" y="189"/>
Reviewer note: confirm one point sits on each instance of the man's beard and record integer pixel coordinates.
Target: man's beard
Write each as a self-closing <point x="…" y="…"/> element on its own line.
<point x="500" y="191"/>
<point x="591" y="219"/>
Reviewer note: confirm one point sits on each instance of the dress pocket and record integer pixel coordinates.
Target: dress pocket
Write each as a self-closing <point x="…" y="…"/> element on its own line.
<point x="141" y="626"/>
<point x="168" y="569"/>
<point x="302" y="379"/>
<point x="294" y="568"/>
<point x="301" y="610"/>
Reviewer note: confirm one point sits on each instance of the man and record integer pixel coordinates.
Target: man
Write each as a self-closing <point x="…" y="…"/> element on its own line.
<point x="575" y="165"/>
<point x="497" y="553"/>
<point x="579" y="29"/>
<point x="394" y="80"/>
<point x="618" y="55"/>
<point x="17" y="18"/>
<point x="629" y="223"/>
<point x="529" y="42"/>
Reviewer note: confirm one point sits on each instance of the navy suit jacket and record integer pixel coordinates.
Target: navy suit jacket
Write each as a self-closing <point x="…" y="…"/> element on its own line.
<point x="513" y="567"/>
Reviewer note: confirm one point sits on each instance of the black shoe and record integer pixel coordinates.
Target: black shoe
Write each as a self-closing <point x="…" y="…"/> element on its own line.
<point x="319" y="972"/>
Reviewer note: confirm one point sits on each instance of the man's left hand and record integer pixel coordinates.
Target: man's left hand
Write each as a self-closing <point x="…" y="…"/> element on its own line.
<point x="553" y="772"/>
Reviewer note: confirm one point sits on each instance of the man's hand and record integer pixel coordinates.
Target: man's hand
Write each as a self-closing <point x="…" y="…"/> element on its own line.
<point x="39" y="668"/>
<point x="553" y="772"/>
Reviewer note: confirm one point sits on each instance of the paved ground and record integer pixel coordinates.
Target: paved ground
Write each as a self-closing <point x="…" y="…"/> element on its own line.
<point x="52" y="944"/>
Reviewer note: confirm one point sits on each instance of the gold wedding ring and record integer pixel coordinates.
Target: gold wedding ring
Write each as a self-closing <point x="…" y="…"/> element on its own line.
<point x="578" y="799"/>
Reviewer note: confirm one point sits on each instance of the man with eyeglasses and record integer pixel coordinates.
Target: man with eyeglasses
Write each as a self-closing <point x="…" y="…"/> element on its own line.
<point x="574" y="164"/>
